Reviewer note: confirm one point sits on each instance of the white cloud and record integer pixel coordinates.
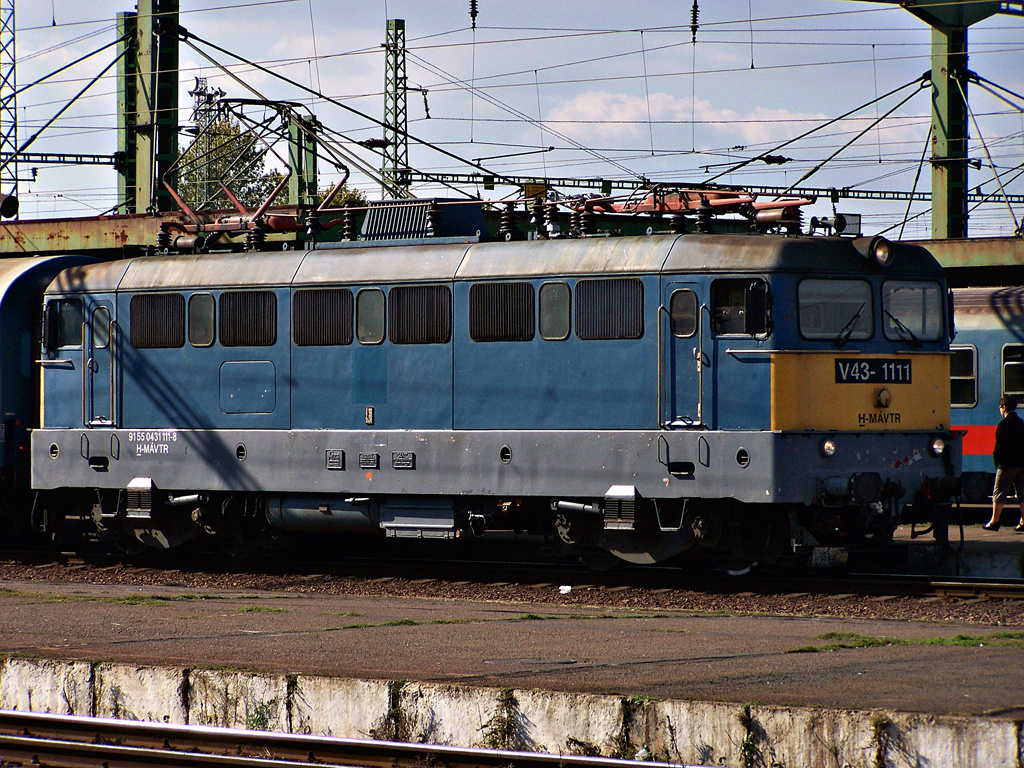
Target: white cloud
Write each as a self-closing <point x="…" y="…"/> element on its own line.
<point x="620" y="118"/>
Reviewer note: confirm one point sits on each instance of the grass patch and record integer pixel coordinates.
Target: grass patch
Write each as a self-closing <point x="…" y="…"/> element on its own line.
<point x="401" y="623"/>
<point x="845" y="640"/>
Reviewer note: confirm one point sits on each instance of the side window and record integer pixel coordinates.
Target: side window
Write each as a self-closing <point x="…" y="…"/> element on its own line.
<point x="963" y="377"/>
<point x="420" y="314"/>
<point x="610" y="309"/>
<point x="101" y="328"/>
<point x="322" y="317"/>
<point x="739" y="307"/>
<point x="248" y="318"/>
<point x="157" y="320"/>
<point x="370" y="316"/>
<point x="683" y="313"/>
<point x="1013" y="370"/>
<point x="202" y="317"/>
<point x="64" y="323"/>
<point x="555" y="311"/>
<point x="501" y="312"/>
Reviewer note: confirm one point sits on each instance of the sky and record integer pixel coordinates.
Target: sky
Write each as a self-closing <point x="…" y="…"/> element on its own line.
<point x="620" y="90"/>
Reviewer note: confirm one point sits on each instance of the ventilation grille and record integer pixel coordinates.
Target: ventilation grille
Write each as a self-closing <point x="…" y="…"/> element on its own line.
<point x="501" y="312"/>
<point x="420" y="314"/>
<point x="157" y="320"/>
<point x="610" y="309"/>
<point x="248" y="319"/>
<point x="322" y="317"/>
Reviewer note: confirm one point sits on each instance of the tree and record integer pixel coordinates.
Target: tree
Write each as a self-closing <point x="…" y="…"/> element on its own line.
<point x="223" y="151"/>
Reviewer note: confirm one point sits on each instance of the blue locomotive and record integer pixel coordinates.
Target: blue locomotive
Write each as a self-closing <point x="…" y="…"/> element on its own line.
<point x="749" y="397"/>
<point x="987" y="362"/>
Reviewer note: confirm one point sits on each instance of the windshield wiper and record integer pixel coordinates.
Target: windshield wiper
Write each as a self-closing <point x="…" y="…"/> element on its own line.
<point x="901" y="327"/>
<point x="847" y="332"/>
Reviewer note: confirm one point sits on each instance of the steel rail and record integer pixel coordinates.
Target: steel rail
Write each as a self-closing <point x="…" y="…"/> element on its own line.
<point x="82" y="742"/>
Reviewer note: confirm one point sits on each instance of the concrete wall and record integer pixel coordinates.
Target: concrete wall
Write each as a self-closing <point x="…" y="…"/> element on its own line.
<point x="686" y="732"/>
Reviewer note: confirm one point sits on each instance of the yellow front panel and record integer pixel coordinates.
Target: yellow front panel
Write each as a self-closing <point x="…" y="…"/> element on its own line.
<point x="846" y="391"/>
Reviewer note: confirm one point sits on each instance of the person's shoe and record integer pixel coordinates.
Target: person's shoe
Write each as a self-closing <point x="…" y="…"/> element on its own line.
<point x="991" y="526"/>
<point x="1019" y="528"/>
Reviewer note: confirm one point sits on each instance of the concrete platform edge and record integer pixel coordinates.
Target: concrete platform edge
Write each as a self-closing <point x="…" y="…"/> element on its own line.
<point x="677" y="731"/>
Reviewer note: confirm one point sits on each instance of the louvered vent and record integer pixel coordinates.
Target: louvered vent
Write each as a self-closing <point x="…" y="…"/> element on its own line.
<point x="248" y="319"/>
<point x="322" y="317"/>
<point x="610" y="309"/>
<point x="501" y="312"/>
<point x="420" y="314"/>
<point x="157" y="320"/>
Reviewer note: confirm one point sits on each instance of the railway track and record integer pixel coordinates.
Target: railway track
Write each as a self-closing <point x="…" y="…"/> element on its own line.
<point x="485" y="572"/>
<point x="61" y="741"/>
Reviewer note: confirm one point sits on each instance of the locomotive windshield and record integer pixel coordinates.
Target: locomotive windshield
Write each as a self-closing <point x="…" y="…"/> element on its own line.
<point x="912" y="310"/>
<point x="837" y="310"/>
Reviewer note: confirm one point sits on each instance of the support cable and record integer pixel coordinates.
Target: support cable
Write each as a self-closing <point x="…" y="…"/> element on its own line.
<point x="526" y="118"/>
<point x="915" y="81"/>
<point x="57" y="71"/>
<point x="917" y="177"/>
<point x="991" y="162"/>
<point x="63" y="109"/>
<point x="831" y="157"/>
<point x="185" y="36"/>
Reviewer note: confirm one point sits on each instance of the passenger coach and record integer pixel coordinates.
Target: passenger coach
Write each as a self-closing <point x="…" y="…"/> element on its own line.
<point x="747" y="395"/>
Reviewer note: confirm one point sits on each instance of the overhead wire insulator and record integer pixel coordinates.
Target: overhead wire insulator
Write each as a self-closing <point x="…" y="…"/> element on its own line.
<point x="473" y="10"/>
<point x="694" y="25"/>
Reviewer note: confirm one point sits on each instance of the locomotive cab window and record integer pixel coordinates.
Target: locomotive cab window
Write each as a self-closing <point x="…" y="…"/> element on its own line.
<point x="322" y="317"/>
<point x="683" y="313"/>
<point x="610" y="309"/>
<point x="555" y="311"/>
<point x="739" y="307"/>
<point x="836" y="310"/>
<point x="202" y="311"/>
<point x="963" y="377"/>
<point x="1013" y="370"/>
<point x="912" y="311"/>
<point x="501" y="312"/>
<point x="157" y="320"/>
<point x="63" y="320"/>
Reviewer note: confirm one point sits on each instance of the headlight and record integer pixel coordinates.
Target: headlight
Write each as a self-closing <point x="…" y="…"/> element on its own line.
<point x="828" y="448"/>
<point x="881" y="251"/>
<point x="938" y="446"/>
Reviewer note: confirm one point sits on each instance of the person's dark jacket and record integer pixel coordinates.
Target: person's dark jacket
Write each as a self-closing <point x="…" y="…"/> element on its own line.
<point x="1009" y="450"/>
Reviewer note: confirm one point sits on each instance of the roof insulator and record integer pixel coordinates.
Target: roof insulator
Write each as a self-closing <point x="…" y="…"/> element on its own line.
<point x="694" y="26"/>
<point x="473" y="11"/>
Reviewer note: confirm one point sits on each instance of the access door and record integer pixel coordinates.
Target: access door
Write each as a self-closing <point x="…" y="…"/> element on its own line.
<point x="684" y="361"/>
<point x="99" y="366"/>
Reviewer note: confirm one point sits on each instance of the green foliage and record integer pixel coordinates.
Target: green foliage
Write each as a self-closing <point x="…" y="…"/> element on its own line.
<point x="504" y="729"/>
<point x="225" y="152"/>
<point x="259" y="718"/>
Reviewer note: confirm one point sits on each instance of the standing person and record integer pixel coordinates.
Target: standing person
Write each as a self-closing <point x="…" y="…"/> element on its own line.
<point x="1009" y="459"/>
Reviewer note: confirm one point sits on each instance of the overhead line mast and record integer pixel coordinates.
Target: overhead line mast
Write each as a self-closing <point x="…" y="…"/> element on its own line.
<point x="8" y="98"/>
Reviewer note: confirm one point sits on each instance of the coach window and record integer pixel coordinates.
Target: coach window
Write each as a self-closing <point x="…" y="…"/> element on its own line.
<point x="739" y="307"/>
<point x="322" y="317"/>
<point x="64" y="323"/>
<point x="420" y="314"/>
<point x="683" y="313"/>
<point x="1013" y="370"/>
<point x="836" y="310"/>
<point x="555" y="311"/>
<point x="248" y="318"/>
<point x="156" y="320"/>
<point x="912" y="310"/>
<point x="370" y="316"/>
<point x="202" y="316"/>
<point x="610" y="309"/>
<point x="501" y="312"/>
<point x="963" y="377"/>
